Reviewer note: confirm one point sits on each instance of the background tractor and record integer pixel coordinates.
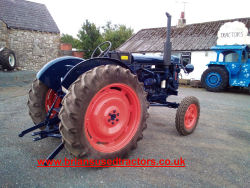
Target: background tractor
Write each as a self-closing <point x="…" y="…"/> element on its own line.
<point x="231" y="68"/>
<point x="99" y="106"/>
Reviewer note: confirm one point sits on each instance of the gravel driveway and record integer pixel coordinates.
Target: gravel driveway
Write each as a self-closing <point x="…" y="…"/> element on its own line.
<point x="217" y="154"/>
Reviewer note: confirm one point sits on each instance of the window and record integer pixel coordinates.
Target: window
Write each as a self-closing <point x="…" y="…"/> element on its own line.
<point x="231" y="57"/>
<point x="185" y="58"/>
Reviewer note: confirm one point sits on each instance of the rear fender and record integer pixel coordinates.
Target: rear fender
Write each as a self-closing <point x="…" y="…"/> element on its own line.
<point x="53" y="71"/>
<point x="87" y="65"/>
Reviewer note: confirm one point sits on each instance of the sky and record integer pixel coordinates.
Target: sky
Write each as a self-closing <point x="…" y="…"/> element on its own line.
<point x="140" y="14"/>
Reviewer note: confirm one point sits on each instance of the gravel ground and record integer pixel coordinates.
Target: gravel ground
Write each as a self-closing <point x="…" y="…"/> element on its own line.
<point x="216" y="154"/>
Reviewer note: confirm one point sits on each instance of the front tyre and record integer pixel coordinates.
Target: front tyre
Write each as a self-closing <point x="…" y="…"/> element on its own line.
<point x="187" y="115"/>
<point x="215" y="79"/>
<point x="104" y="113"/>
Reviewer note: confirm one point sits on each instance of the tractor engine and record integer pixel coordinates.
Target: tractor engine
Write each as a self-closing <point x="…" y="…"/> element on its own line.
<point x="151" y="80"/>
<point x="157" y="83"/>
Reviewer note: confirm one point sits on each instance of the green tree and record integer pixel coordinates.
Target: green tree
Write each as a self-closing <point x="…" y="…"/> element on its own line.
<point x="66" y="38"/>
<point x="116" y="34"/>
<point x="90" y="37"/>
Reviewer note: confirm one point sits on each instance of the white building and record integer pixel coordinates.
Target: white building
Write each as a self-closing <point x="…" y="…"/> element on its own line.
<point x="196" y="39"/>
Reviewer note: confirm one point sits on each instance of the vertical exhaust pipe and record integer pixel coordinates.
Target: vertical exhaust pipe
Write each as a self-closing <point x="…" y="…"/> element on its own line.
<point x="168" y="44"/>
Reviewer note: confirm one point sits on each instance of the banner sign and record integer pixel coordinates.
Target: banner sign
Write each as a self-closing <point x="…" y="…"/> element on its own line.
<point x="233" y="33"/>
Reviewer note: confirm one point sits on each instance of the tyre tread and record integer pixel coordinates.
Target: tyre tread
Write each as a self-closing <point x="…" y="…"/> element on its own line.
<point x="83" y="87"/>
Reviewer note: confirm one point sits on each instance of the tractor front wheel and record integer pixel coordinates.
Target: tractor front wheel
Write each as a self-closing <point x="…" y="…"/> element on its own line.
<point x="103" y="114"/>
<point x="187" y="115"/>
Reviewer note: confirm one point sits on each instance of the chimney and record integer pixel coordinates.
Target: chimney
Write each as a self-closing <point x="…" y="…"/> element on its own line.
<point x="182" y="20"/>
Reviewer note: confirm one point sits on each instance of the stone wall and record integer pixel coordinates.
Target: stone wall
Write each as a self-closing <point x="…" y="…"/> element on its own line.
<point x="33" y="49"/>
<point x="3" y="34"/>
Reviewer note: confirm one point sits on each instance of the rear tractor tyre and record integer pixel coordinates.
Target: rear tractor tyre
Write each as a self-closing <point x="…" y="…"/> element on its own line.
<point x="7" y="59"/>
<point x="103" y="114"/>
<point x="40" y="100"/>
<point x="187" y="115"/>
<point x="215" y="79"/>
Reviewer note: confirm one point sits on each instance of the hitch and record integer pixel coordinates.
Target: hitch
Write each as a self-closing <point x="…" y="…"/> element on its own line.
<point x="47" y="133"/>
<point x="48" y="123"/>
<point x="54" y="153"/>
<point x="51" y="130"/>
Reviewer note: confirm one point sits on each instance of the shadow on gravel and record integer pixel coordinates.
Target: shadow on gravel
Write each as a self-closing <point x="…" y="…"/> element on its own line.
<point x="231" y="90"/>
<point x="238" y="90"/>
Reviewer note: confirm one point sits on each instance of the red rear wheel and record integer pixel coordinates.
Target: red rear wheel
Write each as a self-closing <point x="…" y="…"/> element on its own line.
<point x="103" y="114"/>
<point x="112" y="118"/>
<point x="49" y="100"/>
<point x="187" y="115"/>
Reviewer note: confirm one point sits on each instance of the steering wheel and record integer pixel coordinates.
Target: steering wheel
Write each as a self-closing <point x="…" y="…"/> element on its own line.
<point x="102" y="52"/>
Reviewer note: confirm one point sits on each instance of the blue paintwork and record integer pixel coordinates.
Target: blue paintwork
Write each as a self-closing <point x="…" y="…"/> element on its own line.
<point x="64" y="71"/>
<point x="239" y="72"/>
<point x="152" y="59"/>
<point x="87" y="65"/>
<point x="229" y="47"/>
<point x="52" y="72"/>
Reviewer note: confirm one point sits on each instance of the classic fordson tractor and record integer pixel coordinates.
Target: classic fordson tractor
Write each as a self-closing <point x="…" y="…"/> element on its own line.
<point x="231" y="68"/>
<point x="99" y="106"/>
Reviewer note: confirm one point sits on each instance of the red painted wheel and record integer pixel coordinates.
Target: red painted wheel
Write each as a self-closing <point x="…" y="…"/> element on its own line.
<point x="112" y="118"/>
<point x="191" y="116"/>
<point x="49" y="100"/>
<point x="187" y="115"/>
<point x="104" y="113"/>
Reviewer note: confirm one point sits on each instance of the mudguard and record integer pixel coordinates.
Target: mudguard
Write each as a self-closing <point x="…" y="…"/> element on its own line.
<point x="52" y="73"/>
<point x="87" y="65"/>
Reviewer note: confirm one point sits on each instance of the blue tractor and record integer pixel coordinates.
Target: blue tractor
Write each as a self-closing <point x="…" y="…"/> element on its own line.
<point x="98" y="106"/>
<point x="231" y="68"/>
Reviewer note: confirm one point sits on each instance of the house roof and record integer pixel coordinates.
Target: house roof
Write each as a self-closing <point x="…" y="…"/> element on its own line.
<point x="21" y="14"/>
<point x="192" y="37"/>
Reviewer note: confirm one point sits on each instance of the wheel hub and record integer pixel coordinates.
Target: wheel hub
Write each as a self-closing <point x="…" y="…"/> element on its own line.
<point x="213" y="79"/>
<point x="12" y="60"/>
<point x="112" y="117"/>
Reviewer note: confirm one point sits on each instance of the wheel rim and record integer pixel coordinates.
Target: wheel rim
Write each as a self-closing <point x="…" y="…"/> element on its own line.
<point x="191" y="116"/>
<point x="11" y="60"/>
<point x="213" y="79"/>
<point x="112" y="118"/>
<point x="49" y="100"/>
